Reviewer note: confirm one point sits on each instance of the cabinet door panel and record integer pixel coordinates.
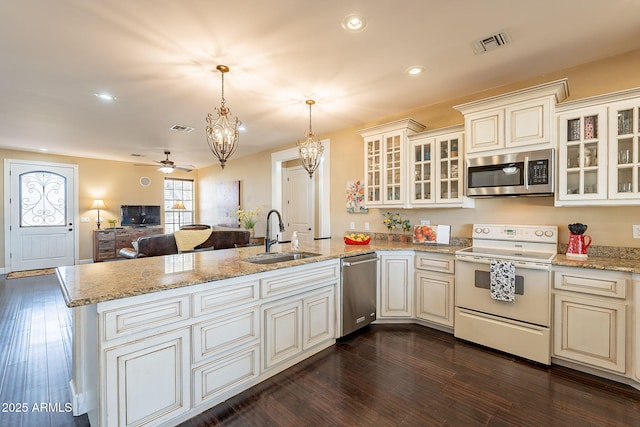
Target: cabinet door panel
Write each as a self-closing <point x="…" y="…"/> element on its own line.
<point x="486" y="131"/>
<point x="319" y="318"/>
<point x="212" y="380"/>
<point x="147" y="381"/>
<point x="590" y="331"/>
<point x="282" y="332"/>
<point x="396" y="294"/>
<point x="434" y="297"/>
<point x="225" y="332"/>
<point x="528" y="123"/>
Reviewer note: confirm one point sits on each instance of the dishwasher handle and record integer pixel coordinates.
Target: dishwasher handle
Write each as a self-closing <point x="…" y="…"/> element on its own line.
<point x="351" y="264"/>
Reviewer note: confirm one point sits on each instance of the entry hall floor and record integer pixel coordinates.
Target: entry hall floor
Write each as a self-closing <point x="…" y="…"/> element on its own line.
<point x="384" y="375"/>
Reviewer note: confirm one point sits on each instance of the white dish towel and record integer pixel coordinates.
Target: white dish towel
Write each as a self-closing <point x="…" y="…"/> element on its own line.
<point x="503" y="280"/>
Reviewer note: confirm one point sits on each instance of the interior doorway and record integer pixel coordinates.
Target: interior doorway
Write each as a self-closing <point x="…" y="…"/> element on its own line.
<point x="299" y="202"/>
<point x="322" y="226"/>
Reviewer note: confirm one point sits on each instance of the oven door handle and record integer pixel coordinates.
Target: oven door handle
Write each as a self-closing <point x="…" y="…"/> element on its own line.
<point x="526" y="173"/>
<point x="520" y="264"/>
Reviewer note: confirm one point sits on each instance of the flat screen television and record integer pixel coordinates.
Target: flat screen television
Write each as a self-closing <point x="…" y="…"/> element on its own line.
<point x="139" y="215"/>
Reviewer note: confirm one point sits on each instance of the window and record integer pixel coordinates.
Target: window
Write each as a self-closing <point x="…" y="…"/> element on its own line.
<point x="178" y="203"/>
<point x="43" y="199"/>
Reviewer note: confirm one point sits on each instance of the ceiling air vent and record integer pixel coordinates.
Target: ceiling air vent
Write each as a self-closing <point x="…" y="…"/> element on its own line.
<point x="491" y="42"/>
<point x="181" y="128"/>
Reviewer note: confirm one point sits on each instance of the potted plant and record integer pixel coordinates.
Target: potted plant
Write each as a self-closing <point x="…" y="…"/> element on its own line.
<point x="248" y="218"/>
<point x="391" y="221"/>
<point x="406" y="226"/>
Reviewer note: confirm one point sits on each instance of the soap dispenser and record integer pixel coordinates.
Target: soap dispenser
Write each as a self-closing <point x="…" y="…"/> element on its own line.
<point x="294" y="242"/>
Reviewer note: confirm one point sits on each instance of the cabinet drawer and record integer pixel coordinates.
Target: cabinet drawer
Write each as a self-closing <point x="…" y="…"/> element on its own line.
<point x="128" y="320"/>
<point x="225" y="297"/>
<point x="435" y="262"/>
<point x="594" y="282"/>
<point x="299" y="279"/>
<point x="225" y="376"/>
<point x="225" y="332"/>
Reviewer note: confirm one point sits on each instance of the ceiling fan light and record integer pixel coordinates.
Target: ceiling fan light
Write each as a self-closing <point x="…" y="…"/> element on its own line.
<point x="165" y="169"/>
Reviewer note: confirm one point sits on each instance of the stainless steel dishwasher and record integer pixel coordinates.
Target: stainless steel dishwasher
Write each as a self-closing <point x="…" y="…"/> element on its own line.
<point x="359" y="276"/>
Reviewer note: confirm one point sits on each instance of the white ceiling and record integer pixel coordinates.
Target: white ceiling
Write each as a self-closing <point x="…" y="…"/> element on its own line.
<point x="159" y="57"/>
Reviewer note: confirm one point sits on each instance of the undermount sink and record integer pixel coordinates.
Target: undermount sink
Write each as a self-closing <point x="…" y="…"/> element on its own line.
<point x="275" y="258"/>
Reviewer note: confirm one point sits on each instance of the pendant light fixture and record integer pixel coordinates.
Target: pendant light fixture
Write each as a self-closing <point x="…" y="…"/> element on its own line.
<point x="222" y="134"/>
<point x="310" y="149"/>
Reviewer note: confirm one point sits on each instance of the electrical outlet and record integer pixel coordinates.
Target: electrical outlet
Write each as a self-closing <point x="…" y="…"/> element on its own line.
<point x="352" y="225"/>
<point x="366" y="225"/>
<point x="636" y="231"/>
<point x="425" y="222"/>
<point x="84" y="219"/>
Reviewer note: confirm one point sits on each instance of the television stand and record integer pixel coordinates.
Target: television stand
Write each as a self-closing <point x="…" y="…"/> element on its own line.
<point x="107" y="242"/>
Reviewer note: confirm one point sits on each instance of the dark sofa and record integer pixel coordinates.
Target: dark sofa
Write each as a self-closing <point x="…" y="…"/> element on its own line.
<point x="165" y="244"/>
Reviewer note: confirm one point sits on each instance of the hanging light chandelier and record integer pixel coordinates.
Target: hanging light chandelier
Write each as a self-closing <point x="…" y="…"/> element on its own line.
<point x="222" y="134"/>
<point x="310" y="149"/>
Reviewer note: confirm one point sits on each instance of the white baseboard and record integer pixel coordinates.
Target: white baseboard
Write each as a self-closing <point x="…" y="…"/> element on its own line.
<point x="77" y="400"/>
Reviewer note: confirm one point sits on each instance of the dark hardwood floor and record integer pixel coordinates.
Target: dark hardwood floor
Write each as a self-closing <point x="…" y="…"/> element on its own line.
<point x="385" y="375"/>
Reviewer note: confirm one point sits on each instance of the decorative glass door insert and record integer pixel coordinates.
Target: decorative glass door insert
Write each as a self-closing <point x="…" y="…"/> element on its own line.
<point x="43" y="199"/>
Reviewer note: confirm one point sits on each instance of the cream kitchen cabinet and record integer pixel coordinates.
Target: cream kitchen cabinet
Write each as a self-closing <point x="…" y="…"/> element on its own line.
<point x="395" y="291"/>
<point x="296" y="324"/>
<point x="582" y="155"/>
<point x="146" y="382"/>
<point x="524" y="118"/>
<point x="385" y="148"/>
<point x="598" y="162"/>
<point x="624" y="143"/>
<point x="434" y="293"/>
<point x="436" y="169"/>
<point x="163" y="357"/>
<point x="590" y="317"/>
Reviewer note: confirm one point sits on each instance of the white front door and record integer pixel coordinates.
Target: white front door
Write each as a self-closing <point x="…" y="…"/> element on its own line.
<point x="41" y="215"/>
<point x="300" y="206"/>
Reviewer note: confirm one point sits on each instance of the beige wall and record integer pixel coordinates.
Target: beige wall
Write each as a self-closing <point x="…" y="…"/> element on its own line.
<point x="607" y="225"/>
<point x="117" y="183"/>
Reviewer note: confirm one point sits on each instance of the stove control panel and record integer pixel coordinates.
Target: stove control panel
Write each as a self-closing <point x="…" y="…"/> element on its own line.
<point x="523" y="233"/>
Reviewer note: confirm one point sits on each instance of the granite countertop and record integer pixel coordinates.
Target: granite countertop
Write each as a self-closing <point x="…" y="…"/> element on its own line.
<point x="629" y="265"/>
<point x="92" y="283"/>
<point x="97" y="282"/>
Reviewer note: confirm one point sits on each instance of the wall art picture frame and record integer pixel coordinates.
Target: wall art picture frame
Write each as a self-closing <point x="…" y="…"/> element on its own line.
<point x="355" y="197"/>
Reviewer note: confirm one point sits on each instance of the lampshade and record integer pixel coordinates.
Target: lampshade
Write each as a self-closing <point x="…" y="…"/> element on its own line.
<point x="179" y="205"/>
<point x="98" y="204"/>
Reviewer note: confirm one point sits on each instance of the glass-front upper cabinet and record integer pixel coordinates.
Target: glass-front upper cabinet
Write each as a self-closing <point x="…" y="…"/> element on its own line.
<point x="385" y="148"/>
<point x="583" y="155"/>
<point x="624" y="182"/>
<point x="436" y="168"/>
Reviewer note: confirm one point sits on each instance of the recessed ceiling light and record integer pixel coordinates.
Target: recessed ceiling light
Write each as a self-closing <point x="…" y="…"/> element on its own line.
<point x="415" y="70"/>
<point x="44" y="150"/>
<point x="105" y="96"/>
<point x="354" y="23"/>
<point x="241" y="126"/>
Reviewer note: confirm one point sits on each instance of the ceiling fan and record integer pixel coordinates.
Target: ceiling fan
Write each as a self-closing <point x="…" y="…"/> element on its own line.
<point x="167" y="166"/>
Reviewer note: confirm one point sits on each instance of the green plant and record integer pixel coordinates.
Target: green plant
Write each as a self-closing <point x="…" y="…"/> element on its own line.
<point x="247" y="217"/>
<point x="391" y="221"/>
<point x="395" y="220"/>
<point x="112" y="222"/>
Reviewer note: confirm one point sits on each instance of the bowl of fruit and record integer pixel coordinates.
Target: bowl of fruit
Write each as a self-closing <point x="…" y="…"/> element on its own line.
<point x="357" y="239"/>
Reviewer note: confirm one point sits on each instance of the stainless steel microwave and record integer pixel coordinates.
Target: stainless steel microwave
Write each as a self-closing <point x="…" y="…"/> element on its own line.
<point x="517" y="174"/>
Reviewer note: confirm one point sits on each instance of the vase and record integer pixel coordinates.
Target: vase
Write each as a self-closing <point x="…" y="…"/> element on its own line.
<point x="404" y="238"/>
<point x="390" y="237"/>
<point x="252" y="232"/>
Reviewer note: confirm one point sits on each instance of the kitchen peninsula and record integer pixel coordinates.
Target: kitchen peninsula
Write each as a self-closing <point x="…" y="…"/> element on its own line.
<point x="158" y="340"/>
